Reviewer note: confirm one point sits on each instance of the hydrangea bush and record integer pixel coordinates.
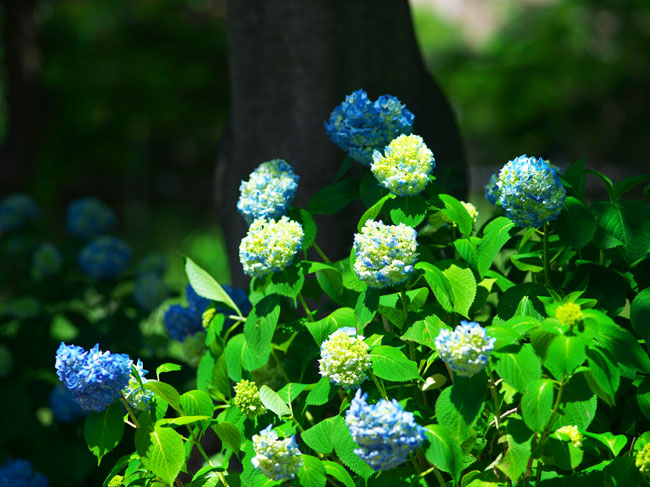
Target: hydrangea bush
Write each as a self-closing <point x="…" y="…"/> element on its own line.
<point x="444" y="350"/>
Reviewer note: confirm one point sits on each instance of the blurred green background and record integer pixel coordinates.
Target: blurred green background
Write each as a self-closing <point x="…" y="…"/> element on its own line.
<point x="135" y="100"/>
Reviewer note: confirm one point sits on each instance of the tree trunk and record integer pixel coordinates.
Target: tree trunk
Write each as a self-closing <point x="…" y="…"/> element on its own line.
<point x="24" y="108"/>
<point x="291" y="62"/>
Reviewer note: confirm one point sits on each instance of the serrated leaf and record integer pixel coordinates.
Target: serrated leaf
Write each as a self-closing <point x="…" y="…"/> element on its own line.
<point x="425" y="331"/>
<point x="409" y="210"/>
<point x="164" y="368"/>
<point x="165" y="392"/>
<point x="319" y="395"/>
<point x="291" y="391"/>
<point x="576" y="225"/>
<point x="366" y="307"/>
<point x="312" y="472"/>
<point x="163" y="453"/>
<point x="260" y="324"/>
<point x="320" y="330"/>
<point x="309" y="228"/>
<point x="183" y="420"/>
<point x="629" y="222"/>
<point x="565" y="455"/>
<point x="458" y="214"/>
<point x="239" y="355"/>
<point x="463" y="287"/>
<point x="372" y="212"/>
<point x="391" y="364"/>
<point x="565" y="354"/>
<point x="206" y="286"/>
<point x="603" y="375"/>
<point x="495" y="235"/>
<point x="443" y="451"/>
<point x="537" y="404"/>
<point x="643" y="397"/>
<point x="334" y="197"/>
<point x="197" y="403"/>
<point x="519" y="367"/>
<point x="640" y="314"/>
<point x="319" y="436"/>
<point x="339" y="472"/>
<point x="344" y="447"/>
<point x="439" y="284"/>
<point x="103" y="430"/>
<point x="274" y="402"/>
<point x="229" y="434"/>
<point x="614" y="443"/>
<point x="518" y="439"/>
<point x="288" y="282"/>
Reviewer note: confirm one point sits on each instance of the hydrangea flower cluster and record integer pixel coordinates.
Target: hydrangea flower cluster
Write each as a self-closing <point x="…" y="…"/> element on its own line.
<point x="19" y="473"/>
<point x="492" y="192"/>
<point x="105" y="257"/>
<point x="471" y="209"/>
<point x="64" y="408"/>
<point x="569" y="314"/>
<point x="344" y="358"/>
<point x="269" y="191"/>
<point x="95" y="378"/>
<point x="277" y="459"/>
<point x="405" y="166"/>
<point x="385" y="254"/>
<point x="530" y="191"/>
<point x="359" y="126"/>
<point x="642" y="460"/>
<point x="47" y="261"/>
<point x="88" y="217"/>
<point x="138" y="398"/>
<point x="572" y="432"/>
<point x="16" y="211"/>
<point x="385" y="433"/>
<point x="270" y="246"/>
<point x="150" y="290"/>
<point x="247" y="398"/>
<point x="467" y="349"/>
<point x="183" y="321"/>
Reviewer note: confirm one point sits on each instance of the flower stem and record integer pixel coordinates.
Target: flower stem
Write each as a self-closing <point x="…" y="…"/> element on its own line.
<point x="547" y="264"/>
<point x="305" y="307"/>
<point x="129" y="410"/>
<point x="320" y="252"/>
<point x="380" y="388"/>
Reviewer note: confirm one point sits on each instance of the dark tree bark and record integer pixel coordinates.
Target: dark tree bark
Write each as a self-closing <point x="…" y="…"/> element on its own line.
<point x="291" y="62"/>
<point x="21" y="59"/>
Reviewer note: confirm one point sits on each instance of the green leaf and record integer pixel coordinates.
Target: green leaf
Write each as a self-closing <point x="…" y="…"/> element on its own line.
<point x="372" y="212"/>
<point x="229" y="434"/>
<point x="614" y="443"/>
<point x="529" y="261"/>
<point x="578" y="404"/>
<point x="643" y="397"/>
<point x="449" y="416"/>
<point x="537" y="404"/>
<point x="206" y="286"/>
<point x="443" y="451"/>
<point x="576" y="225"/>
<point x="339" y="472"/>
<point x="565" y="354"/>
<point x="457" y="213"/>
<point x="334" y="197"/>
<point x="439" y="284"/>
<point x="640" y="314"/>
<point x="288" y="282"/>
<point x="627" y="184"/>
<point x="163" y="453"/>
<point x="321" y="330"/>
<point x="518" y="438"/>
<point x="319" y="436"/>
<point x="565" y="455"/>
<point x="425" y="331"/>
<point x="603" y="377"/>
<point x="629" y="222"/>
<point x="410" y="210"/>
<point x="463" y="288"/>
<point x="161" y="369"/>
<point x="466" y="248"/>
<point x="291" y="391"/>
<point x="319" y="395"/>
<point x="197" y="403"/>
<point x="495" y="235"/>
<point x="274" y="402"/>
<point x="391" y="364"/>
<point x="183" y="420"/>
<point x="239" y="355"/>
<point x="519" y="367"/>
<point x="165" y="392"/>
<point x="344" y="447"/>
<point x="103" y="430"/>
<point x="312" y="472"/>
<point x="308" y="226"/>
<point x="260" y="325"/>
<point x="366" y="307"/>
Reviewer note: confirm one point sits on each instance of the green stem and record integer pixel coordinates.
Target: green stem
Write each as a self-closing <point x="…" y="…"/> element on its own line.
<point x="418" y="470"/>
<point x="403" y="298"/>
<point x="538" y="478"/>
<point x="547" y="264"/>
<point x="495" y="398"/>
<point x="305" y="307"/>
<point x="381" y="390"/>
<point x="129" y="410"/>
<point x="320" y="252"/>
<point x="556" y="407"/>
<point x="279" y="364"/>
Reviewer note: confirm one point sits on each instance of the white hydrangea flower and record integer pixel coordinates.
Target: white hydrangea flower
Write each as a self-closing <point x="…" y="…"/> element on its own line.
<point x="344" y="358"/>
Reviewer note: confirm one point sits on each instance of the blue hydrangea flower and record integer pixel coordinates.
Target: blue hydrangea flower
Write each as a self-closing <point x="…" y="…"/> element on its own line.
<point x="153" y="264"/>
<point x="270" y="246"/>
<point x="359" y="126"/>
<point x="344" y="358"/>
<point x="492" y="189"/>
<point x="405" y="166"/>
<point x="467" y="349"/>
<point x="385" y="433"/>
<point x="16" y="211"/>
<point x="95" y="378"/>
<point x="530" y="191"/>
<point x="277" y="459"/>
<point x="196" y="303"/>
<point x="138" y="398"/>
<point x="181" y="322"/>
<point x="149" y="291"/>
<point x="269" y="192"/>
<point x="19" y="473"/>
<point x="240" y="298"/>
<point x="64" y="408"/>
<point x="88" y="217"/>
<point x="385" y="254"/>
<point x="47" y="261"/>
<point x="104" y="257"/>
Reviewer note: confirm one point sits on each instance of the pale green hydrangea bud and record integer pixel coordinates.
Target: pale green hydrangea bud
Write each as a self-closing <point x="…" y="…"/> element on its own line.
<point x="385" y="254"/>
<point x="270" y="246"/>
<point x="277" y="459"/>
<point x="642" y="461"/>
<point x="471" y="209"/>
<point x="117" y="481"/>
<point x="194" y="348"/>
<point x="139" y="398"/>
<point x="344" y="358"/>
<point x="247" y="398"/>
<point x="573" y="433"/>
<point x="569" y="313"/>
<point x="405" y="166"/>
<point x="208" y="314"/>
